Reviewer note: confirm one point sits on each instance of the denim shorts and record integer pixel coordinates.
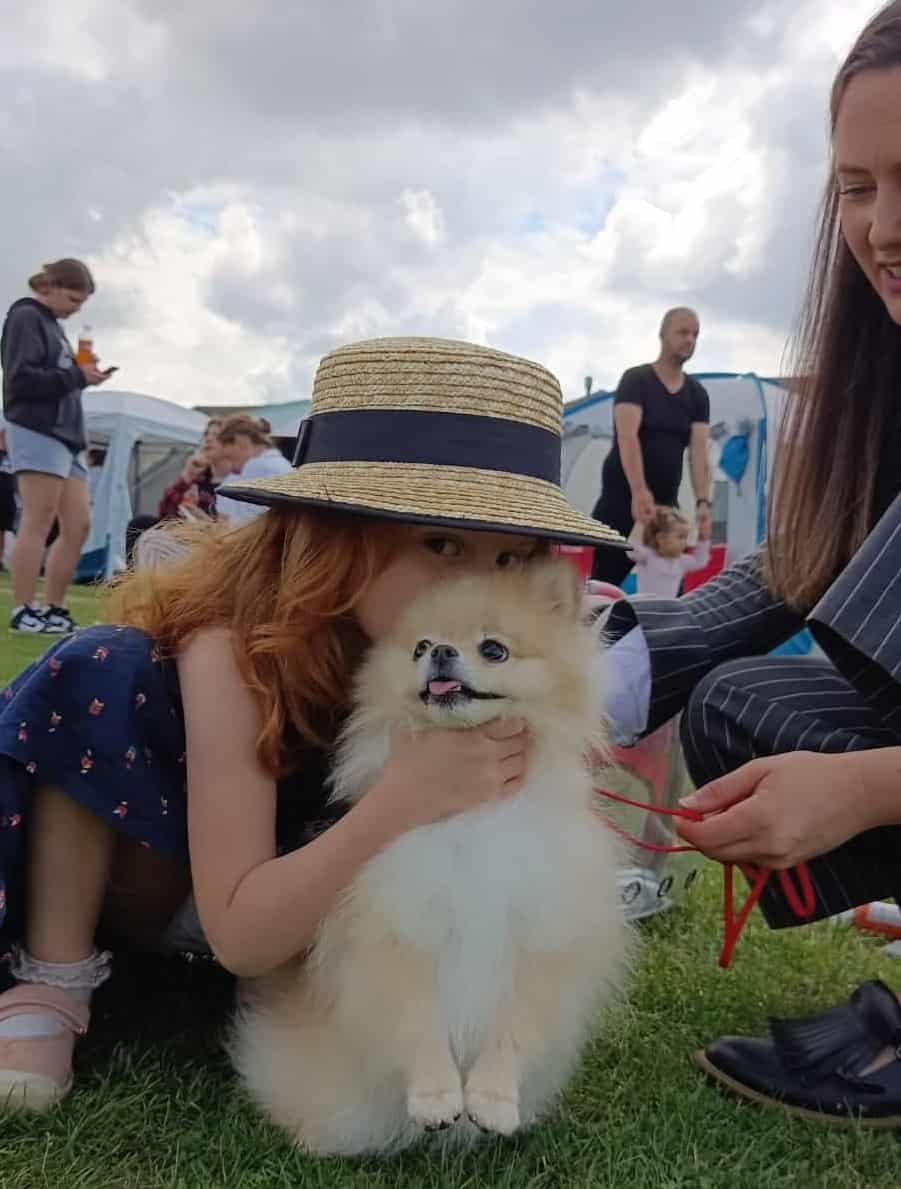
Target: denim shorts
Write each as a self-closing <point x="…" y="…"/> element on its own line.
<point x="32" y="451"/>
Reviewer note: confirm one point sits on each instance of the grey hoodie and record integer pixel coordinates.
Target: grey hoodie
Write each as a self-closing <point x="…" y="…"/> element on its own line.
<point x="41" y="382"/>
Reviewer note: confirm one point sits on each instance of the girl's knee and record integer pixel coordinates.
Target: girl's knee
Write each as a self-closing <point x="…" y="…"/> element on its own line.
<point x="144" y="892"/>
<point x="714" y="692"/>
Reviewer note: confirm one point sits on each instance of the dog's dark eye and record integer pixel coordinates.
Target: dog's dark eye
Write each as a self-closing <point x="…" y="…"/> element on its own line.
<point x="493" y="650"/>
<point x="421" y="649"/>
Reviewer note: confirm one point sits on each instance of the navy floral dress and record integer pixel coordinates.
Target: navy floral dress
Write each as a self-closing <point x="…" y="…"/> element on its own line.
<point x="99" y="716"/>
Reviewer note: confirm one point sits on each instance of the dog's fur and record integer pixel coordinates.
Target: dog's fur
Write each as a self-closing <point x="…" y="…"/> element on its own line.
<point x="454" y="984"/>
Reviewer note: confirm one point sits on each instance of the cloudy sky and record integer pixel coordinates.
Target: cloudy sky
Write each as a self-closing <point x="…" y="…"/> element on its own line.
<point x="256" y="181"/>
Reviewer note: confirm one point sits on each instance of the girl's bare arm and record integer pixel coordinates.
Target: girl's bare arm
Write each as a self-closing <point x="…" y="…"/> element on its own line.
<point x="257" y="910"/>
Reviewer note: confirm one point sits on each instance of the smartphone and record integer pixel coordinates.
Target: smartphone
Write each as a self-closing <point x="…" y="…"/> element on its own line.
<point x="108" y="371"/>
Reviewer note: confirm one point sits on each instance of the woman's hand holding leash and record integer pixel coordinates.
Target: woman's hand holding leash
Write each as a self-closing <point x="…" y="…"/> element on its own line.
<point x="779" y="811"/>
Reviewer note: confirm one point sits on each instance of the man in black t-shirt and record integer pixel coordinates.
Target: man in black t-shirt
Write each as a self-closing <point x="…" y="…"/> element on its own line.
<point x="658" y="412"/>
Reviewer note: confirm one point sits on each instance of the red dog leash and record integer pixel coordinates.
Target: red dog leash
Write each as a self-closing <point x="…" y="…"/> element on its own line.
<point x="801" y="899"/>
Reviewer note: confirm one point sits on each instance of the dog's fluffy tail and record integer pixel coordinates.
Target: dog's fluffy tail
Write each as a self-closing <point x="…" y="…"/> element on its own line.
<point x="316" y="1088"/>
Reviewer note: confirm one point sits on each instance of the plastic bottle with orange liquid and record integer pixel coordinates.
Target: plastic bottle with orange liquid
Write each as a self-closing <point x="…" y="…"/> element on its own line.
<point x="85" y="350"/>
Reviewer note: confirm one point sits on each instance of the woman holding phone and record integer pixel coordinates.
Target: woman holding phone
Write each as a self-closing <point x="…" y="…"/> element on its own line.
<point x="42" y="386"/>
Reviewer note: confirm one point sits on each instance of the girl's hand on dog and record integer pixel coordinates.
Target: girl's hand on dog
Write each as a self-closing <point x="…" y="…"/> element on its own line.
<point x="436" y="774"/>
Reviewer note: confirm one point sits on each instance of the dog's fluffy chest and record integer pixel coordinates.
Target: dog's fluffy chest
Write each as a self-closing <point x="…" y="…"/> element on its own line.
<point x="480" y="892"/>
<point x="484" y="879"/>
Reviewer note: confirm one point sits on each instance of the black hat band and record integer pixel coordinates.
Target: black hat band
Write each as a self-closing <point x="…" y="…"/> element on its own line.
<point x="430" y="437"/>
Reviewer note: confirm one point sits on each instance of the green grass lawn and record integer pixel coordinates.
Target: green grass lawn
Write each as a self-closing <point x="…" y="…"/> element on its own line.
<point x="17" y="650"/>
<point x="156" y="1106"/>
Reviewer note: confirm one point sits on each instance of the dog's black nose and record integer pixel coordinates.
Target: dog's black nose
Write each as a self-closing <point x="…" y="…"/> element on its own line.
<point x="444" y="652"/>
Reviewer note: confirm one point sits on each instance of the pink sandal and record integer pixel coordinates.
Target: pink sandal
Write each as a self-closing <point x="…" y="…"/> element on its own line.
<point x="36" y="1071"/>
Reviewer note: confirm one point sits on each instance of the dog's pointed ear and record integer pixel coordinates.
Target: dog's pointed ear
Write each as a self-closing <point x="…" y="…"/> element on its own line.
<point x="556" y="583"/>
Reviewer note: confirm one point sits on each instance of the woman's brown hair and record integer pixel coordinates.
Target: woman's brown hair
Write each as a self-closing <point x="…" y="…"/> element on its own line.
<point x="63" y="274"/>
<point x="284" y="585"/>
<point x="257" y="429"/>
<point x="847" y="383"/>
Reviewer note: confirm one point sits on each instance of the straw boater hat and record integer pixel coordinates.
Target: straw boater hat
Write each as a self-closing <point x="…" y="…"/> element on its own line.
<point x="433" y="431"/>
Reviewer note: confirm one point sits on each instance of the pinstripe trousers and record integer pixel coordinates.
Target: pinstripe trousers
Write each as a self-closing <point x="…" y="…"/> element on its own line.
<point x="767" y="706"/>
<point x="708" y="654"/>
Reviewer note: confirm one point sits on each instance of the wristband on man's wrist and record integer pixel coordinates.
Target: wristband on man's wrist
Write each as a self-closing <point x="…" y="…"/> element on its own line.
<point x="703" y="501"/>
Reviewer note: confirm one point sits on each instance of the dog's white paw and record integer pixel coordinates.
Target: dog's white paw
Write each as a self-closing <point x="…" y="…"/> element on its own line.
<point x="493" y="1108"/>
<point x="435" y="1107"/>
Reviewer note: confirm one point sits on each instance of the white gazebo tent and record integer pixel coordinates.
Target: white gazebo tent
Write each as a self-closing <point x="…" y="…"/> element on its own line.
<point x="146" y="442"/>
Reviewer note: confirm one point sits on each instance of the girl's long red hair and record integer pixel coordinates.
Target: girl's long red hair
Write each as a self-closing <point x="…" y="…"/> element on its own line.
<point x="284" y="585"/>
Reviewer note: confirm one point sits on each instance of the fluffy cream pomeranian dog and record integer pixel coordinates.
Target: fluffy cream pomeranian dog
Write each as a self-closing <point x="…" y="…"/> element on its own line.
<point x="453" y="986"/>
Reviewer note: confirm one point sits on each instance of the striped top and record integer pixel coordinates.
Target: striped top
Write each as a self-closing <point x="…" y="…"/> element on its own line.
<point x="857" y="623"/>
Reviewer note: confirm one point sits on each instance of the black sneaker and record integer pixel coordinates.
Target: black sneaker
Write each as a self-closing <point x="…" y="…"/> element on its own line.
<point x="58" y="621"/>
<point x="28" y="620"/>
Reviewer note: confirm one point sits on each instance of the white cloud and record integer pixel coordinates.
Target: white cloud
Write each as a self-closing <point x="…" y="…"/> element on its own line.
<point x="423" y="215"/>
<point x="836" y="28"/>
<point x="186" y="350"/>
<point x="254" y="184"/>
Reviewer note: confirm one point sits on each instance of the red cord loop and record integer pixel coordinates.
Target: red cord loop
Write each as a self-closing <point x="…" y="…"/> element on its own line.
<point x="801" y="900"/>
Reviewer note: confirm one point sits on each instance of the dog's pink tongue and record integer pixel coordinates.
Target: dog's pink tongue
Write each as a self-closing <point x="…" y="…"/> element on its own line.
<point x="443" y="687"/>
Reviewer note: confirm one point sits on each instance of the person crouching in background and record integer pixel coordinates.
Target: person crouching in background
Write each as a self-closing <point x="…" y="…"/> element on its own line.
<point x="191" y="492"/>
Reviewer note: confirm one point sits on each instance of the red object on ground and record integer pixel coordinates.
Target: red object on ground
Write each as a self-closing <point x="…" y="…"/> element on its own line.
<point x="581" y="556"/>
<point x="713" y="567"/>
<point x="879" y="917"/>
<point x="649" y="760"/>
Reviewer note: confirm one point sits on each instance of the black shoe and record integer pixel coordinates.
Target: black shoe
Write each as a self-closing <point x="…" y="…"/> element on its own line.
<point x="58" y="621"/>
<point x="812" y="1066"/>
<point x="28" y="620"/>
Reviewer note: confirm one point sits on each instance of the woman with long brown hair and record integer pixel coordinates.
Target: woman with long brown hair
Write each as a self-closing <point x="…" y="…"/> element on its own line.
<point x="799" y="759"/>
<point x="246" y="445"/>
<point x="42" y="386"/>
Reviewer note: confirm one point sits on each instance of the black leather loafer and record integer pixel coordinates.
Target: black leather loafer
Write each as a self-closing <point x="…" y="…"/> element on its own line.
<point x="812" y="1067"/>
